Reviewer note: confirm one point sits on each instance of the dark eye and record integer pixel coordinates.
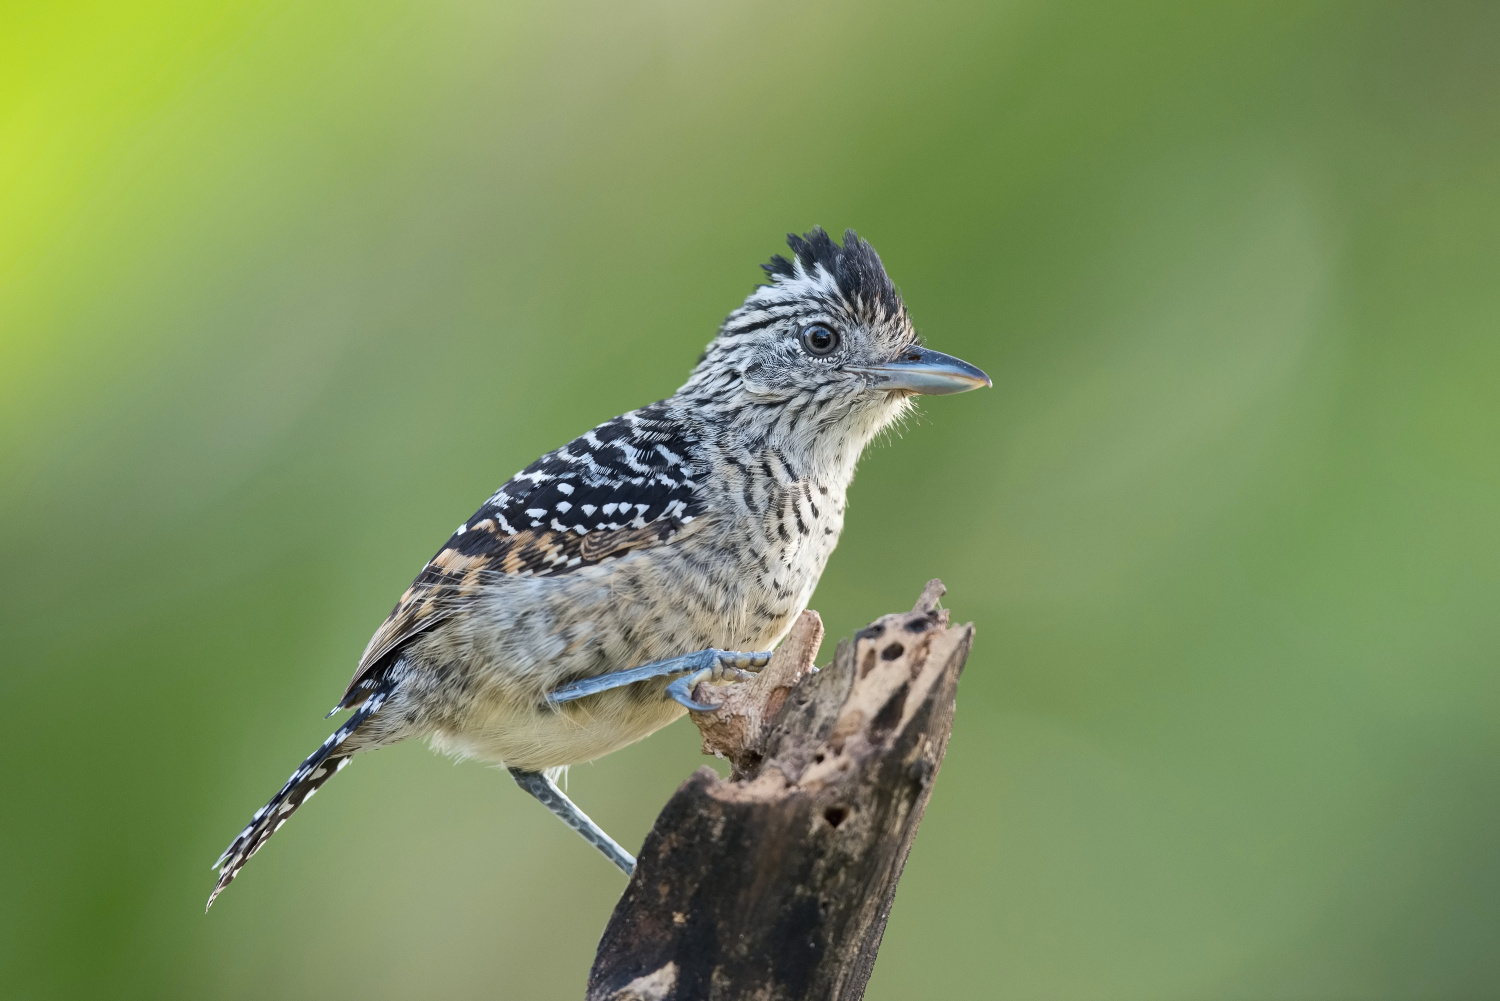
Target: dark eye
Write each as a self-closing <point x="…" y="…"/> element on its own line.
<point x="819" y="340"/>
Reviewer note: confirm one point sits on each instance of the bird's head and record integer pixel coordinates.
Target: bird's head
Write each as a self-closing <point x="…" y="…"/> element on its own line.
<point x="825" y="349"/>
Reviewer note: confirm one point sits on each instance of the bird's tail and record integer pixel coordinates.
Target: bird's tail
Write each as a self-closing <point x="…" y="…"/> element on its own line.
<point x="319" y="767"/>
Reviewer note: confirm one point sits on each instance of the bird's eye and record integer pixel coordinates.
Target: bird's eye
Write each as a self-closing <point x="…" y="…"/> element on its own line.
<point x="819" y="340"/>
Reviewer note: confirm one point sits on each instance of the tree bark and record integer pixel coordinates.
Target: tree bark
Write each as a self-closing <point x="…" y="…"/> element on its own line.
<point x="775" y="884"/>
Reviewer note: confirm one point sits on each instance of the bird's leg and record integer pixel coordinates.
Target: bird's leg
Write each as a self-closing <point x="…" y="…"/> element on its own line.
<point x="704" y="665"/>
<point x="553" y="798"/>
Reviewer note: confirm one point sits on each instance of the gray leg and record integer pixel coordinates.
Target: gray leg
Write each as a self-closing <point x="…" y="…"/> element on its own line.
<point x="547" y="793"/>
<point x="705" y="665"/>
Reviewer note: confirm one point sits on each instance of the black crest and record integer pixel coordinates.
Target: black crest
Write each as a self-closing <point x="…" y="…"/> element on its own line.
<point x="855" y="266"/>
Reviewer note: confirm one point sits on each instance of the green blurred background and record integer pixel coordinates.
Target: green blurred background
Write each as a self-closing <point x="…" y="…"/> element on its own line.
<point x="288" y="289"/>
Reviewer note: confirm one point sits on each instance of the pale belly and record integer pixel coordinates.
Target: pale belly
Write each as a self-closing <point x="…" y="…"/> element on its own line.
<point x="533" y="737"/>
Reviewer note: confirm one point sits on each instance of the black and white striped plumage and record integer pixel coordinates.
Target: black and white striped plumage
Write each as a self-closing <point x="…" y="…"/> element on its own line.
<point x="317" y="768"/>
<point x="702" y="521"/>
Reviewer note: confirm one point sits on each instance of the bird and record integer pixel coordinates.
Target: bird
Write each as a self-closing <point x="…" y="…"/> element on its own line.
<point x="679" y="541"/>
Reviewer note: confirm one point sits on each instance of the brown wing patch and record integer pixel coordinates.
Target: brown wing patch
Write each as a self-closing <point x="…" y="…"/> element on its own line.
<point x="479" y="554"/>
<point x="597" y="545"/>
<point x="428" y="601"/>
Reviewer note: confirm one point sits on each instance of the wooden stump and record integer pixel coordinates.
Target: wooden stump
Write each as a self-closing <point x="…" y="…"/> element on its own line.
<point x="776" y="883"/>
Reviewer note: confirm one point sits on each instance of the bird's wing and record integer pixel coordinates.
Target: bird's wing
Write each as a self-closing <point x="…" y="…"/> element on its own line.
<point x="632" y="482"/>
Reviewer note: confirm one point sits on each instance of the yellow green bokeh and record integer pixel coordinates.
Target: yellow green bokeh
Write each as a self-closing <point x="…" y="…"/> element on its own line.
<point x="287" y="289"/>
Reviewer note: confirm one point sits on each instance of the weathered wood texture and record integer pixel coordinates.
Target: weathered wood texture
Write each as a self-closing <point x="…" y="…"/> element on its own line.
<point x="776" y="884"/>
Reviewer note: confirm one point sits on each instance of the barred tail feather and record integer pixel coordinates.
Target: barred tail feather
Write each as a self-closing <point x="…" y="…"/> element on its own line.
<point x="318" y="768"/>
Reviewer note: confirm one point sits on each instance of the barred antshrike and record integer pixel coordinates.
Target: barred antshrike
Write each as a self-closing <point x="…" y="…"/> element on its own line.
<point x="658" y="545"/>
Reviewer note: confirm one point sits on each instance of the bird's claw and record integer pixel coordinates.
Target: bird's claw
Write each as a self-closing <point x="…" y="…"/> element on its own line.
<point x="726" y="665"/>
<point x="681" y="691"/>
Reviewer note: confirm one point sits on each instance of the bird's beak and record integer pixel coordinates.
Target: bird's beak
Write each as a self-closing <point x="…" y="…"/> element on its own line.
<point x="919" y="370"/>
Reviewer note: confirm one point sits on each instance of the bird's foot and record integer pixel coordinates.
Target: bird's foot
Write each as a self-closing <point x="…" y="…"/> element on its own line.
<point x="727" y="665"/>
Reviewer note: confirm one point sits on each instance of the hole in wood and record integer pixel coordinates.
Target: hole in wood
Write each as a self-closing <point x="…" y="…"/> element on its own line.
<point x="835" y="815"/>
<point x="892" y="652"/>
